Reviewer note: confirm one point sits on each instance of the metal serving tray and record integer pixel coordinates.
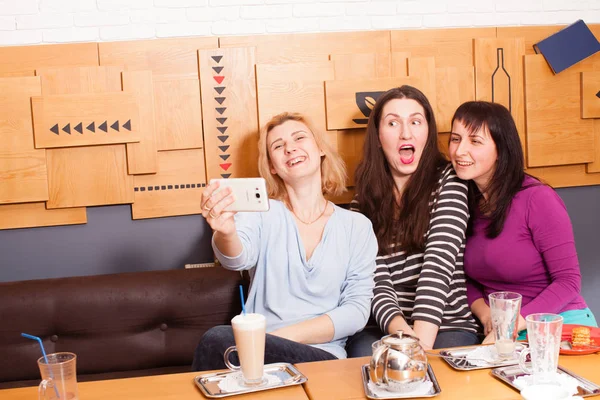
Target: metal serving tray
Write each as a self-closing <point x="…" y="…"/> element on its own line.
<point x="457" y="358"/>
<point x="430" y="376"/>
<point x="508" y="375"/>
<point x="287" y="373"/>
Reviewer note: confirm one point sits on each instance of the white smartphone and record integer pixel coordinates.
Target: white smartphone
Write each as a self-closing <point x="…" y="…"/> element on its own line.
<point x="250" y="193"/>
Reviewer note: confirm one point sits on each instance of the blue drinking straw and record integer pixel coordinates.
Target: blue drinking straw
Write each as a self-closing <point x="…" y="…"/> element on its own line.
<point x="25" y="335"/>
<point x="242" y="296"/>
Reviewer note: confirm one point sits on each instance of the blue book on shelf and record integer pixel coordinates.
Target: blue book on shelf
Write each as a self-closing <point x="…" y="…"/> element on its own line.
<point x="568" y="46"/>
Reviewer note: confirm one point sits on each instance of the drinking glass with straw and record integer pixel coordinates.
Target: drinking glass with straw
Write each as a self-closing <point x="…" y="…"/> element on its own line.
<point x="37" y="339"/>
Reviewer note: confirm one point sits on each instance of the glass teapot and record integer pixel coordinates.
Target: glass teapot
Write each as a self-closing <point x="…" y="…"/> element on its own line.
<point x="399" y="363"/>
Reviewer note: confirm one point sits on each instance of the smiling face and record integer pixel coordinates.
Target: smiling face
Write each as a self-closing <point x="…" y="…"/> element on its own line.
<point x="403" y="131"/>
<point x="293" y="151"/>
<point x="473" y="154"/>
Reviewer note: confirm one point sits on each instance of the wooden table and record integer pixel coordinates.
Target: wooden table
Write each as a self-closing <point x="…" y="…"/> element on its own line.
<point x="162" y="387"/>
<point x="341" y="379"/>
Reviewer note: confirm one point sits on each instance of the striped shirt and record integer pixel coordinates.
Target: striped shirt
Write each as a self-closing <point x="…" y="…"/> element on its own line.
<point x="429" y="286"/>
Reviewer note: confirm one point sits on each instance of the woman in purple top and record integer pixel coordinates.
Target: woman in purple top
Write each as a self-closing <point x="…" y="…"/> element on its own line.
<point x="519" y="237"/>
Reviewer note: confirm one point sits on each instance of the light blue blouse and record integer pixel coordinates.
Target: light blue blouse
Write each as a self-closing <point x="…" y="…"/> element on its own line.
<point x="286" y="288"/>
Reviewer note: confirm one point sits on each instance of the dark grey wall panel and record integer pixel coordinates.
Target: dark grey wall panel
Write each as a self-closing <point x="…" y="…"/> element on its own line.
<point x="110" y="242"/>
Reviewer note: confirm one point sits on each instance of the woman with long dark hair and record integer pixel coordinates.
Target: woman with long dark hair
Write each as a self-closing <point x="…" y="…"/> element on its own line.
<point x="520" y="237"/>
<point x="419" y="212"/>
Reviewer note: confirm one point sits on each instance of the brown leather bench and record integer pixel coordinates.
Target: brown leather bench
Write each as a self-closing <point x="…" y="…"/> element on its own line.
<point x="120" y="325"/>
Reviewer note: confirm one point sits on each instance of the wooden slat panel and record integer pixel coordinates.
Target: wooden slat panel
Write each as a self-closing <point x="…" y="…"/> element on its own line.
<point x="23" y="176"/>
<point x="292" y="48"/>
<point x="421" y="70"/>
<point x="400" y="64"/>
<point x="350" y="146"/>
<point x="454" y="85"/>
<point x="30" y="215"/>
<point x="501" y="61"/>
<point x="590" y="102"/>
<point x="141" y="157"/>
<point x="349" y="102"/>
<point x="594" y="167"/>
<point x="174" y="58"/>
<point x="85" y="119"/>
<point x="178" y="114"/>
<point x="565" y="176"/>
<point x="294" y="87"/>
<point x="79" y="80"/>
<point x="449" y="47"/>
<point x="24" y="60"/>
<point x="229" y="108"/>
<point x="531" y="34"/>
<point x="89" y="176"/>
<point x="443" y="143"/>
<point x="176" y="188"/>
<point x="556" y="134"/>
<point x="362" y="66"/>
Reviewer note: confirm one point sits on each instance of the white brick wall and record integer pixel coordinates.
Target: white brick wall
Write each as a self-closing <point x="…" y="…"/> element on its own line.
<point x="52" y="21"/>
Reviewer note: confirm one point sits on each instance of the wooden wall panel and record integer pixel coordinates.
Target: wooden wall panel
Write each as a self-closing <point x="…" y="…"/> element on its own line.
<point x="362" y="66"/>
<point x="349" y="102"/>
<point x="178" y="114"/>
<point x="421" y="70"/>
<point x="82" y="176"/>
<point x="227" y="78"/>
<point x="168" y="58"/>
<point x="89" y="176"/>
<point x="449" y="47"/>
<point x="556" y="134"/>
<point x="499" y="75"/>
<point x="24" y="60"/>
<point x="297" y="87"/>
<point x="31" y="215"/>
<point x="141" y="157"/>
<point x="175" y="189"/>
<point x="594" y="167"/>
<point x="454" y="85"/>
<point x="530" y="34"/>
<point x="590" y="88"/>
<point x="85" y="119"/>
<point x="75" y="80"/>
<point x="400" y="64"/>
<point x="23" y="176"/>
<point x="293" y="48"/>
<point x="350" y="146"/>
<point x="565" y="176"/>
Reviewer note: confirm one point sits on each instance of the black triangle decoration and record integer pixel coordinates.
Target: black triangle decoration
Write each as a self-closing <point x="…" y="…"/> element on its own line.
<point x="220" y="89"/>
<point x="127" y="125"/>
<point x="225" y="175"/>
<point x="223" y="138"/>
<point x="222" y="120"/>
<point x="91" y="127"/>
<point x="223" y="148"/>
<point x="222" y="129"/>
<point x="115" y="126"/>
<point x="221" y="110"/>
<point x="54" y="129"/>
<point x="225" y="157"/>
<point x="218" y="69"/>
<point x="79" y="127"/>
<point x="220" y="100"/>
<point x="103" y="126"/>
<point x="67" y="128"/>
<point x="217" y="58"/>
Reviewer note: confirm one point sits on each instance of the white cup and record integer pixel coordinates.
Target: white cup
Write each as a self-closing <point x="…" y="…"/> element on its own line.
<point x="249" y="332"/>
<point x="545" y="391"/>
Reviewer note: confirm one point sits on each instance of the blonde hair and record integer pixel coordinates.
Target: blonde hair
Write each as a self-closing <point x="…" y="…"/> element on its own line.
<point x="333" y="169"/>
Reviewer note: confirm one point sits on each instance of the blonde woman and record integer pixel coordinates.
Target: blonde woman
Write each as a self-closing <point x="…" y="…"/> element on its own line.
<point x="312" y="262"/>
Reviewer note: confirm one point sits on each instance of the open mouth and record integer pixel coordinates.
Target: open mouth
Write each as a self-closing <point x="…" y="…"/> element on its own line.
<point x="407" y="153"/>
<point x="295" y="161"/>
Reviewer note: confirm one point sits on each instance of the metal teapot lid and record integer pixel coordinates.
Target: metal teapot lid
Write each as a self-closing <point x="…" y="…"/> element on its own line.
<point x="400" y="340"/>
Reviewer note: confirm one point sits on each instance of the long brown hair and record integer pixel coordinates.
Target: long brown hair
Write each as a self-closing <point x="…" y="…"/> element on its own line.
<point x="404" y="224"/>
<point x="333" y="169"/>
<point x="508" y="176"/>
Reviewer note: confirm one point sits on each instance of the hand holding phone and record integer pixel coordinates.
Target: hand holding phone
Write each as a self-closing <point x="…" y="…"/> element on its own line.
<point x="249" y="194"/>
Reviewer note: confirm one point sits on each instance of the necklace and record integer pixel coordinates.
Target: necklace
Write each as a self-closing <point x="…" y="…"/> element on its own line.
<point x="314" y="220"/>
